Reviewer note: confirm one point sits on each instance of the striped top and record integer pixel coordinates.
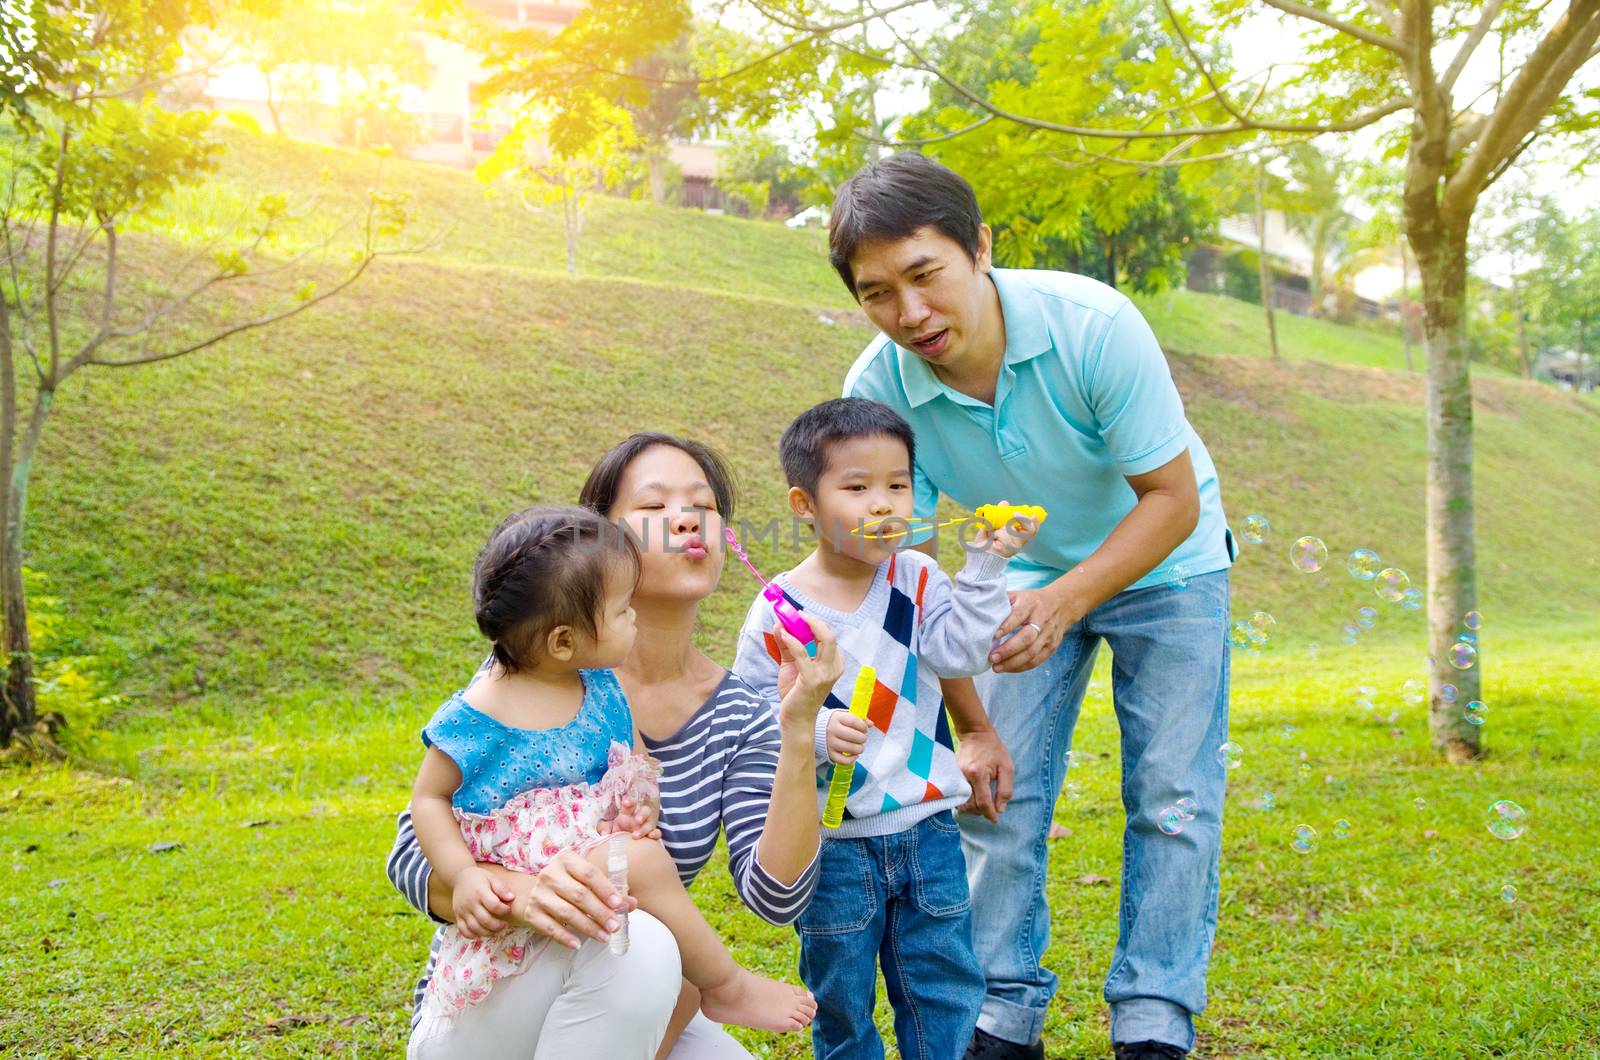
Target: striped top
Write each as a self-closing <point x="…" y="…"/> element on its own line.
<point x="716" y="775"/>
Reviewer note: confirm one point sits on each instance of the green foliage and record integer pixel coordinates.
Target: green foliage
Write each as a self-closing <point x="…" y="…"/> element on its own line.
<point x="757" y="170"/>
<point x="121" y="159"/>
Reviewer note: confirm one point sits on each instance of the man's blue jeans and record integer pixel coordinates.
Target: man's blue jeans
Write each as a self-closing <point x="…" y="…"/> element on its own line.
<point x="900" y="900"/>
<point x="1170" y="684"/>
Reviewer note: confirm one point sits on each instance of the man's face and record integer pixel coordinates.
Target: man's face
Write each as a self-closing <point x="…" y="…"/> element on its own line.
<point x="866" y="480"/>
<point x="926" y="294"/>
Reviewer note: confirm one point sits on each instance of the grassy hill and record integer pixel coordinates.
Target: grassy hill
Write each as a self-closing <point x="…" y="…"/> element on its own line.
<point x="265" y="550"/>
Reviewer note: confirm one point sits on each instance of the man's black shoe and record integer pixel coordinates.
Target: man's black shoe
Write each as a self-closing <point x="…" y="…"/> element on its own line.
<point x="1148" y="1051"/>
<point x="986" y="1046"/>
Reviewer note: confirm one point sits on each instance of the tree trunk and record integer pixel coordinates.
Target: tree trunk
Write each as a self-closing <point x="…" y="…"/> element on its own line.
<point x="1266" y="274"/>
<point x="570" y="219"/>
<point x="1522" y="328"/>
<point x="656" y="161"/>
<point x="1405" y="304"/>
<point x="272" y="104"/>
<point x="1319" y="262"/>
<point x="1451" y="537"/>
<point x="17" y="710"/>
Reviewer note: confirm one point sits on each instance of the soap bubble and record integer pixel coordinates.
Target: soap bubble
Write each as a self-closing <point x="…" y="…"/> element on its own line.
<point x="1239" y="634"/>
<point x="1341" y="829"/>
<point x="1187" y="807"/>
<point x="1472" y="620"/>
<point x="1508" y="894"/>
<point x="1178" y="577"/>
<point x="1066" y="761"/>
<point x="1411" y="599"/>
<point x="1413" y="691"/>
<point x="1305" y="838"/>
<point x="1419" y="802"/>
<point x="1448" y="692"/>
<point x="1363" y="564"/>
<point x="1308" y="554"/>
<point x="1462" y="655"/>
<point x="1366" y="617"/>
<point x="1468" y="638"/>
<point x="1262" y="621"/>
<point x="1255" y="529"/>
<point x="1507" y="820"/>
<point x="1476" y="713"/>
<point x="1352" y="632"/>
<point x="1229" y="755"/>
<point x="1267" y="801"/>
<point x="1392" y="584"/>
<point x="1169" y="820"/>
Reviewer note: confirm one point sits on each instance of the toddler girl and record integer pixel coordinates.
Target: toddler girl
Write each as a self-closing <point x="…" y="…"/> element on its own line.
<point x="536" y="757"/>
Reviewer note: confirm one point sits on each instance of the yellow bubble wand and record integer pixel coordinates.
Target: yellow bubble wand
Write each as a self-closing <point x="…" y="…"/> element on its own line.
<point x="993" y="515"/>
<point x="843" y="774"/>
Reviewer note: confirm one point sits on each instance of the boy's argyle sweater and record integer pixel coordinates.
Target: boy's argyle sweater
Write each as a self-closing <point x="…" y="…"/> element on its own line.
<point x="914" y="627"/>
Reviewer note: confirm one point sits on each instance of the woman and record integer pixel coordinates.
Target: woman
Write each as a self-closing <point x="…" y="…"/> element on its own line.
<point x="729" y="763"/>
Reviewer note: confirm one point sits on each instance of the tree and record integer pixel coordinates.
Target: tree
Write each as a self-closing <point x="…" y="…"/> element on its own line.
<point x="86" y="152"/>
<point x="1369" y="60"/>
<point x="358" y="50"/>
<point x="1564" y="291"/>
<point x="1313" y="204"/>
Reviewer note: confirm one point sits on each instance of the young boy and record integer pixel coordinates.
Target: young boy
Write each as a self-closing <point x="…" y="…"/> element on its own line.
<point x="892" y="882"/>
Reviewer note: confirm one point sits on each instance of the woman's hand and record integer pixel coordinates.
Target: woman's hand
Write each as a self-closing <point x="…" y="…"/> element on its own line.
<point x="568" y="898"/>
<point x="804" y="681"/>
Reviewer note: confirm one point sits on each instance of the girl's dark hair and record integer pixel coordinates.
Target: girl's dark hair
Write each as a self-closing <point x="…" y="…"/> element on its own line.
<point x="803" y="449"/>
<point x="599" y="493"/>
<point x="891" y="199"/>
<point x="543" y="568"/>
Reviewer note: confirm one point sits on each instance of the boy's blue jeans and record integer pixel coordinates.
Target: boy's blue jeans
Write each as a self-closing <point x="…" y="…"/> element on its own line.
<point x="900" y="900"/>
<point x="1169" y="680"/>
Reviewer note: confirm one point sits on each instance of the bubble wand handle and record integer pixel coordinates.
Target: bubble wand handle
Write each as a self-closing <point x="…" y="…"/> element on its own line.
<point x="843" y="775"/>
<point x="617" y="874"/>
<point x="787" y="614"/>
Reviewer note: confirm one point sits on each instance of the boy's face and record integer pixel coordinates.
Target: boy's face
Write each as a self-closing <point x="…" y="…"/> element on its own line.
<point x="864" y="480"/>
<point x="926" y="294"/>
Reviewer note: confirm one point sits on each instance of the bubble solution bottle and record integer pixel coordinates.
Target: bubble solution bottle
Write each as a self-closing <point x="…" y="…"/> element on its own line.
<point x="617" y="872"/>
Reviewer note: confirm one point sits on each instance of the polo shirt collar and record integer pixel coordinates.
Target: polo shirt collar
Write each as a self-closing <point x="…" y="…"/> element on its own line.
<point x="1027" y="336"/>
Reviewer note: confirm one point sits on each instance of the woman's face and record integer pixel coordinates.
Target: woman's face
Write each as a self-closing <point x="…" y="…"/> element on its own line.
<point x="665" y="501"/>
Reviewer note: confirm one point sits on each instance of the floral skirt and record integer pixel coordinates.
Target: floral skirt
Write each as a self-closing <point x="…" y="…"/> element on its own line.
<point x="525" y="835"/>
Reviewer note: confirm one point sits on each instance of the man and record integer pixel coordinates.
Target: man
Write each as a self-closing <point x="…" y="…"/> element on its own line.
<point x="1047" y="388"/>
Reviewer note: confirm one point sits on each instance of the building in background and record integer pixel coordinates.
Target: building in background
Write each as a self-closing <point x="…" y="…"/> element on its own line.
<point x="454" y="125"/>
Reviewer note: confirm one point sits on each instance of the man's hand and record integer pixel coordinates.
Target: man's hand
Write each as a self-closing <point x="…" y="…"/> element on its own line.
<point x="847" y="737"/>
<point x="1032" y="632"/>
<point x="986" y="764"/>
<point x="478" y="905"/>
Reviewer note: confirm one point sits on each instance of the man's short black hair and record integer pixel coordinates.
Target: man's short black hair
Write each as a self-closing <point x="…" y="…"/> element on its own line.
<point x="804" y="446"/>
<point x="891" y="199"/>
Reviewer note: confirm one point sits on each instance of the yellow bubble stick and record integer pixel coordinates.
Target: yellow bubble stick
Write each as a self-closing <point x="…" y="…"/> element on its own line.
<point x="996" y="515"/>
<point x="843" y="774"/>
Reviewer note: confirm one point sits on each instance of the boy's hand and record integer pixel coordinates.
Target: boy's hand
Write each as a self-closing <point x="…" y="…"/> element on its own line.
<point x="847" y="737"/>
<point x="477" y="903"/>
<point x="1011" y="538"/>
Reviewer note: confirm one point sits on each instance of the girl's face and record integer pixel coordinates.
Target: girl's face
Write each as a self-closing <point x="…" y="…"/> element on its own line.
<point x="614" y="626"/>
<point x="665" y="501"/>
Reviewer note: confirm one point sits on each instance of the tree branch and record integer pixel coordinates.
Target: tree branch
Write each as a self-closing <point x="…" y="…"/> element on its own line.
<point x="249" y="325"/>
<point x="1349" y="29"/>
<point x="1470" y="45"/>
<point x="1540" y="82"/>
<point x="925" y="141"/>
<point x="1386" y="14"/>
<point x="869" y="14"/>
<point x="1358" y="121"/>
<point x="13" y="259"/>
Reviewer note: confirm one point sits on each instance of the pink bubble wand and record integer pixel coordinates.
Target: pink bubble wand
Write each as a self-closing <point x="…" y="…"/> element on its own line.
<point x="787" y="614"/>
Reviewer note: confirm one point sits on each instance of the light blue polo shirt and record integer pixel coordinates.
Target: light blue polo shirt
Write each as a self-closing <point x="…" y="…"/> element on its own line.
<point x="1084" y="398"/>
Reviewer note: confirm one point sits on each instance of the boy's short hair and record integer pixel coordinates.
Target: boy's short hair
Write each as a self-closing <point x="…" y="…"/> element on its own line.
<point x="892" y="198"/>
<point x="543" y="568"/>
<point x="803" y="449"/>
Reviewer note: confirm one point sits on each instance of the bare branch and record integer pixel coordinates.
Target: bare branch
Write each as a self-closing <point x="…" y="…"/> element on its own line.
<point x="926" y="140"/>
<point x="1194" y="57"/>
<point x="87" y="232"/>
<point x="14" y="260"/>
<point x="1358" y="121"/>
<point x="1470" y="45"/>
<point x="1386" y="14"/>
<point x="1349" y="29"/>
<point x="1535" y="89"/>
<point x="868" y="14"/>
<point x="249" y="325"/>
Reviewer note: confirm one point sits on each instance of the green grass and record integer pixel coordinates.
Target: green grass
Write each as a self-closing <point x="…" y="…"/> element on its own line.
<point x="265" y="551"/>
